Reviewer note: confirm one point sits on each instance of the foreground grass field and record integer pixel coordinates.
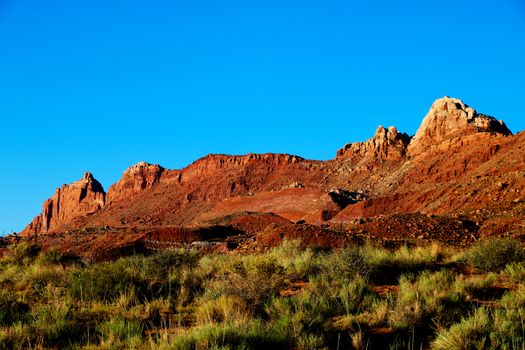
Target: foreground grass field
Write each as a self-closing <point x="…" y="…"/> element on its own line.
<point x="355" y="298"/>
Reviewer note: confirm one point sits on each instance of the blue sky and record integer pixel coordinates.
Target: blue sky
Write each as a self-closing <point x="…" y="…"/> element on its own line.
<point x="100" y="85"/>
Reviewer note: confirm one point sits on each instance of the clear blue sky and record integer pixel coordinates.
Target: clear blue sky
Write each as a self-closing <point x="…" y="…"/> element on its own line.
<point x="99" y="85"/>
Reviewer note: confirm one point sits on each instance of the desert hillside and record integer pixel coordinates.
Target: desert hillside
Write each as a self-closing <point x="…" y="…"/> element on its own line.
<point x="459" y="163"/>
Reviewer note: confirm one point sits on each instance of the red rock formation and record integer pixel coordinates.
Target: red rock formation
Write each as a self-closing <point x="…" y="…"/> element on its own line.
<point x="387" y="144"/>
<point x="448" y="167"/>
<point x="449" y="118"/>
<point x="135" y="179"/>
<point x="69" y="202"/>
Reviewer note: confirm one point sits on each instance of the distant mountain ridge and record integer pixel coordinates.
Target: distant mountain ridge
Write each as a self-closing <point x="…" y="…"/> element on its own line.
<point x="458" y="162"/>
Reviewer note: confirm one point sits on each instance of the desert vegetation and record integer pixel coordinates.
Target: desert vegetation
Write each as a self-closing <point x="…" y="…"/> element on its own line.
<point x="360" y="297"/>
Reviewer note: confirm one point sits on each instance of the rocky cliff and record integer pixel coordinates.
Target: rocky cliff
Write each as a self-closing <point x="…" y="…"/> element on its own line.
<point x="78" y="199"/>
<point x="448" y="167"/>
<point x="450" y="118"/>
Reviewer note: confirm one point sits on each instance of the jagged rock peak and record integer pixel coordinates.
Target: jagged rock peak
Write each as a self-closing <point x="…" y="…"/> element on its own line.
<point x="135" y="179"/>
<point x="142" y="167"/>
<point x="78" y="199"/>
<point x="450" y="117"/>
<point x="387" y="144"/>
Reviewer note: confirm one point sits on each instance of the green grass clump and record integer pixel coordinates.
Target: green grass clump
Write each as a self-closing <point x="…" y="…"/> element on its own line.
<point x="514" y="272"/>
<point x="387" y="266"/>
<point x="502" y="327"/>
<point x="253" y="279"/>
<point x="509" y="321"/>
<point x="12" y="310"/>
<point x="23" y="253"/>
<point x="297" y="262"/>
<point x="117" y="330"/>
<point x="471" y="333"/>
<point x="105" y="282"/>
<point x="346" y="264"/>
<point x="432" y="299"/>
<point x="225" y="309"/>
<point x="252" y="335"/>
<point x="495" y="254"/>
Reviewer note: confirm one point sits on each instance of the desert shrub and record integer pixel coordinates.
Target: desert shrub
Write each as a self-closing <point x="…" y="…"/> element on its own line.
<point x="509" y="321"/>
<point x="346" y="264"/>
<point x="471" y="333"/>
<point x="387" y="266"/>
<point x="430" y="298"/>
<point x="503" y="327"/>
<point x="165" y="273"/>
<point x="514" y="272"/>
<point x="52" y="325"/>
<point x="494" y="254"/>
<point x="12" y="310"/>
<point x="35" y="279"/>
<point x="252" y="335"/>
<point x="321" y="300"/>
<point x="154" y="314"/>
<point x="15" y="337"/>
<point x="351" y="296"/>
<point x="374" y="315"/>
<point x="475" y="282"/>
<point x="297" y="262"/>
<point x="105" y="282"/>
<point x="159" y="265"/>
<point x="226" y="308"/>
<point x="310" y="342"/>
<point x="254" y="279"/>
<point x="84" y="323"/>
<point x="118" y="330"/>
<point x="54" y="256"/>
<point x="23" y="253"/>
<point x="189" y="283"/>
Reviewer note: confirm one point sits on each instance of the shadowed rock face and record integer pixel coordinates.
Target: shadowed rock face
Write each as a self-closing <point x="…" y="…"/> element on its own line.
<point x="80" y="198"/>
<point x="449" y="166"/>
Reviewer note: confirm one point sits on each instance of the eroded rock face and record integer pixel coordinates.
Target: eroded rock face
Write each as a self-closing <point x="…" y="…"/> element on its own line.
<point x="135" y="179"/>
<point x="387" y="144"/>
<point x="449" y="118"/>
<point x="390" y="173"/>
<point x="77" y="199"/>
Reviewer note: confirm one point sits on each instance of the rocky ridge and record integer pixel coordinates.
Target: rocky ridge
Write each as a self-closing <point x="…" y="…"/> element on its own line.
<point x="446" y="168"/>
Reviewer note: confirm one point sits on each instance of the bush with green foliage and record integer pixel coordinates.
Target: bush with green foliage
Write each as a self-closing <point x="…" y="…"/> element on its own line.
<point x="253" y="279"/>
<point x="430" y="300"/>
<point x="346" y="263"/>
<point x="23" y="253"/>
<point x="502" y="327"/>
<point x="12" y="310"/>
<point x="495" y="254"/>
